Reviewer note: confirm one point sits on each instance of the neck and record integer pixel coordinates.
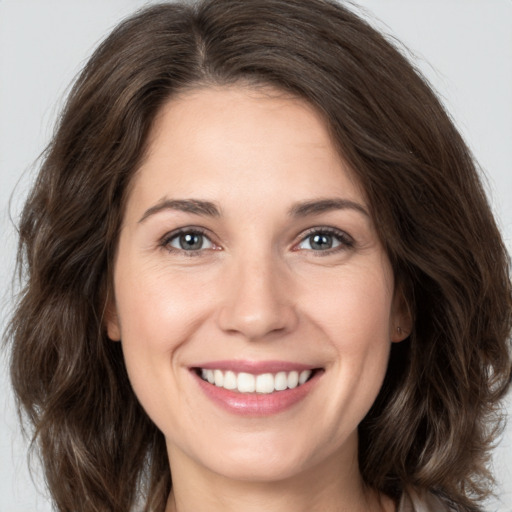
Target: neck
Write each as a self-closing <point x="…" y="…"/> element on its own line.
<point x="330" y="487"/>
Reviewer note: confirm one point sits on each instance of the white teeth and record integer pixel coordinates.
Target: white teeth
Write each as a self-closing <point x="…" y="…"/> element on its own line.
<point x="249" y="383"/>
<point x="265" y="383"/>
<point x="219" y="378"/>
<point x="293" y="379"/>
<point x="230" y="380"/>
<point x="246" y="383"/>
<point x="304" y="376"/>
<point x="281" y="381"/>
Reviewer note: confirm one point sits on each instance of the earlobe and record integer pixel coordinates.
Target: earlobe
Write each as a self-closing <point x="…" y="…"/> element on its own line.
<point x="111" y="320"/>
<point x="400" y="334"/>
<point x="401" y="325"/>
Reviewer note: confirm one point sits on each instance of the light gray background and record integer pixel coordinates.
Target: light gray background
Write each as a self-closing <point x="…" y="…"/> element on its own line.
<point x="464" y="47"/>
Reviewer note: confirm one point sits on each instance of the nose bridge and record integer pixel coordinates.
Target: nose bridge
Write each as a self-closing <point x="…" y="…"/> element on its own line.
<point x="256" y="299"/>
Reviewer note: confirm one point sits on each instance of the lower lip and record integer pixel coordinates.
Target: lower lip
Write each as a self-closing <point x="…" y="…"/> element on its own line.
<point x="256" y="404"/>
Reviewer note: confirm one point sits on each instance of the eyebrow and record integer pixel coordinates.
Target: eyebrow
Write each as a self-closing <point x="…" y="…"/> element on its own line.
<point x="319" y="206"/>
<point x="209" y="209"/>
<point x="195" y="206"/>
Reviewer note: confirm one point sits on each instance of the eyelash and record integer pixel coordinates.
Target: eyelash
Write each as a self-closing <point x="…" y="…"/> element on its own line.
<point x="345" y="240"/>
<point x="169" y="237"/>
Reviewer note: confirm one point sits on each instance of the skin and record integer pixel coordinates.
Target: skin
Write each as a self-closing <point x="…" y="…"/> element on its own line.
<point x="255" y="290"/>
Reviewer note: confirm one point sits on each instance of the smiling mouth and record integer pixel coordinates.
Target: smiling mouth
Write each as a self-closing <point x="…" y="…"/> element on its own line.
<point x="264" y="383"/>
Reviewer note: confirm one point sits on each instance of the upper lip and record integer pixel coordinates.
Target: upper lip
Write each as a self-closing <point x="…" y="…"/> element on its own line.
<point x="254" y="367"/>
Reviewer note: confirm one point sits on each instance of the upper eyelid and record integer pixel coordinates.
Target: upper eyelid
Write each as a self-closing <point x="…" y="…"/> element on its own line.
<point x="325" y="229"/>
<point x="345" y="239"/>
<point x="170" y="235"/>
<point x="164" y="240"/>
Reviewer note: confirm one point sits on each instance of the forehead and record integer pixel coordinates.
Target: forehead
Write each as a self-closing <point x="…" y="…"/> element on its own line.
<point x="243" y="140"/>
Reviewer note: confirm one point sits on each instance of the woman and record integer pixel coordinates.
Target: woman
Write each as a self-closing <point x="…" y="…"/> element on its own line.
<point x="240" y="273"/>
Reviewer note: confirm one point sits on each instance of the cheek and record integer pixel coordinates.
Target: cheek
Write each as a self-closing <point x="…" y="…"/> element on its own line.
<point x="158" y="314"/>
<point x="354" y="309"/>
<point x="157" y="308"/>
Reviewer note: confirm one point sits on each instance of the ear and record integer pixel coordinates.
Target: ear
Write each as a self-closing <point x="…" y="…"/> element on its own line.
<point x="111" y="320"/>
<point x="401" y="318"/>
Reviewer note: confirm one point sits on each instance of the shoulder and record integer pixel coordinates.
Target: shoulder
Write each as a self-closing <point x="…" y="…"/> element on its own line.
<point x="414" y="501"/>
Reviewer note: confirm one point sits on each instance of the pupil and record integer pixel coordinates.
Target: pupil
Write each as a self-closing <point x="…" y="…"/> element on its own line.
<point x="321" y="242"/>
<point x="191" y="241"/>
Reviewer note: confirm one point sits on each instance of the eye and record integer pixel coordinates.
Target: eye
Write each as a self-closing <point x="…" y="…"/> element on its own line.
<point x="188" y="241"/>
<point x="325" y="239"/>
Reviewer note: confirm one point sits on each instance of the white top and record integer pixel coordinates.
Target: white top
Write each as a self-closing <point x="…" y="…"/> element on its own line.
<point x="411" y="501"/>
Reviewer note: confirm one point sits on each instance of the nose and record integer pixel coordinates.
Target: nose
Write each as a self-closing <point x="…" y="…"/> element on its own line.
<point x="257" y="300"/>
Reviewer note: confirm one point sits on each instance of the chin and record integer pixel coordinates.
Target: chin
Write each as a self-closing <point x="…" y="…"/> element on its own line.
<point x="259" y="468"/>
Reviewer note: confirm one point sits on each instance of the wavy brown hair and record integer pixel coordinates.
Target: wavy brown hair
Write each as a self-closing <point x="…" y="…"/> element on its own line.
<point x="433" y="422"/>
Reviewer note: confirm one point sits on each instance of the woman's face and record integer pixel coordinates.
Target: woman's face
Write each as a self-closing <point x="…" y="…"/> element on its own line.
<point x="247" y="257"/>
